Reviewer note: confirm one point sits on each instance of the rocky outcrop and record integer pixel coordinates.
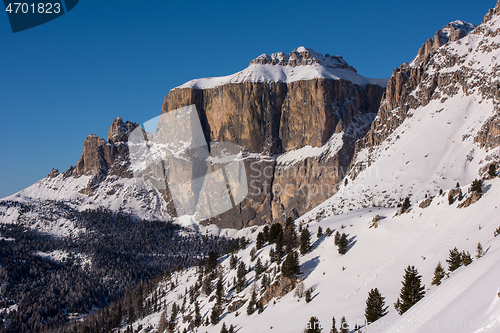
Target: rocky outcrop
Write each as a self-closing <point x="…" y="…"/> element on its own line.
<point x="272" y="119"/>
<point x="236" y="305"/>
<point x="101" y="158"/>
<point x="449" y="33"/>
<point x="279" y="288"/>
<point x="491" y="12"/>
<point x="472" y="198"/>
<point x="300" y="57"/>
<point x="426" y="203"/>
<point x="53" y="173"/>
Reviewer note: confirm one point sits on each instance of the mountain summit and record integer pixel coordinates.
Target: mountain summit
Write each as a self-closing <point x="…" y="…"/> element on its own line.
<point x="301" y="64"/>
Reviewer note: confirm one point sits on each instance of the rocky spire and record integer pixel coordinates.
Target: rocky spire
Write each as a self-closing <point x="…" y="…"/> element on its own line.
<point x="119" y="130"/>
<point x="451" y="32"/>
<point x="101" y="158"/>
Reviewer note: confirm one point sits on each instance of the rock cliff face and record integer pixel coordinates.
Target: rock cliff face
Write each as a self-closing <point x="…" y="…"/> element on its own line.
<point x="443" y="73"/>
<point x="101" y="158"/>
<point x="299" y="135"/>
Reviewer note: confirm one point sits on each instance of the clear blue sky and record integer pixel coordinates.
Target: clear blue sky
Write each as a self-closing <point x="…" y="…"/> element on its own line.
<point x="71" y="77"/>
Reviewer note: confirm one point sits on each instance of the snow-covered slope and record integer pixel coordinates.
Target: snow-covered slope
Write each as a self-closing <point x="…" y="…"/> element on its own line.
<point x="49" y="197"/>
<point x="376" y="259"/>
<point x="307" y="64"/>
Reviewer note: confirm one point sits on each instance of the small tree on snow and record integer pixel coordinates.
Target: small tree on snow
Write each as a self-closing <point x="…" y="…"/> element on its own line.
<point x="454" y="260"/>
<point x="334" y="329"/>
<point x="343" y="244"/>
<point x="241" y="273"/>
<point x="305" y="241"/>
<point x="344" y="326"/>
<point x="375" y="306"/>
<point x="291" y="265"/>
<point x="477" y="186"/>
<point x="313" y="326"/>
<point x="336" y="238"/>
<point x="439" y="274"/>
<point x="412" y="290"/>
<point x="253" y="253"/>
<point x="466" y="258"/>
<point x="320" y="232"/>
<point x="309" y="295"/>
<point x="479" y="251"/>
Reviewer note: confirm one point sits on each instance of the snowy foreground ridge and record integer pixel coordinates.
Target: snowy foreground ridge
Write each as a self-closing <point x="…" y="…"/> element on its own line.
<point x="467" y="301"/>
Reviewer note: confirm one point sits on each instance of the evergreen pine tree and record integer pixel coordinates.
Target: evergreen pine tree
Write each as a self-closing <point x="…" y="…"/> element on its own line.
<point x="328" y="232"/>
<point x="334" y="329"/>
<point x="336" y="239"/>
<point x="343" y="244"/>
<point x="215" y="315"/>
<point x="439" y="274"/>
<point x="274" y="231"/>
<point x="252" y="303"/>
<point x="265" y="231"/>
<point x="466" y="258"/>
<point x="309" y="295"/>
<point x="241" y="275"/>
<point x="479" y="251"/>
<point x="233" y="262"/>
<point x="253" y="253"/>
<point x="320" y="232"/>
<point x="211" y="261"/>
<point x="265" y="282"/>
<point x="313" y="326"/>
<point x="259" y="243"/>
<point x="344" y="326"/>
<point x="291" y="265"/>
<point x="289" y="235"/>
<point x="455" y="260"/>
<point x="477" y="186"/>
<point x="261" y="307"/>
<point x="219" y="291"/>
<point x="375" y="306"/>
<point x="305" y="241"/>
<point x="412" y="290"/>
<point x="197" y="315"/>
<point x="224" y="328"/>
<point x="231" y="329"/>
<point x="258" y="268"/>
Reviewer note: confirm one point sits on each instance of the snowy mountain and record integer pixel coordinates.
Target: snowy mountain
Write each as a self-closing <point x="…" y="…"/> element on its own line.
<point x="422" y="181"/>
<point x="415" y="165"/>
<point x="301" y="64"/>
<point x="301" y="111"/>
